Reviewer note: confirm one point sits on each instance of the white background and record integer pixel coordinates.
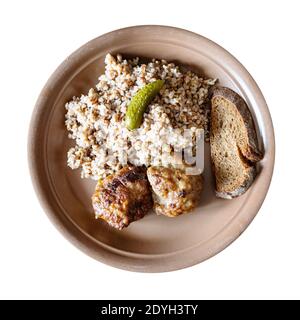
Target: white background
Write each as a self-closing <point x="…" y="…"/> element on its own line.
<point x="36" y="261"/>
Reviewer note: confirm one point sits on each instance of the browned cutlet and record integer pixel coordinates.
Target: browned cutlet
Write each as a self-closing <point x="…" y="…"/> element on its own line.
<point x="123" y="197"/>
<point x="174" y="192"/>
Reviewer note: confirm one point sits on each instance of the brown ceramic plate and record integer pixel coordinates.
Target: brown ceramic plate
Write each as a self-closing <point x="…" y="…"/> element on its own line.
<point x="155" y="243"/>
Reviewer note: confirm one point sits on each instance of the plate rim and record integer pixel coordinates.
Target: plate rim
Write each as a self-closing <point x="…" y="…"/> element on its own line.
<point x="87" y="244"/>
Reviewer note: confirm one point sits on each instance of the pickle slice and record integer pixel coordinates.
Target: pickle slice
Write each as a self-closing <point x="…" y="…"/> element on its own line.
<point x="139" y="103"/>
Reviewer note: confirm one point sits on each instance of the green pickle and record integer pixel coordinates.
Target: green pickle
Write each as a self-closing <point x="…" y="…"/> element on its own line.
<point x="139" y="103"/>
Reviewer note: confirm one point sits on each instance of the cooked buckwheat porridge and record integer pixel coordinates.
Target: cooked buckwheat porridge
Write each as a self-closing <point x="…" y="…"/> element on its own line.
<point x="96" y="121"/>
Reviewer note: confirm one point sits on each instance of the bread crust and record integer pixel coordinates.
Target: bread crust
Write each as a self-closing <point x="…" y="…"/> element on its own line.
<point x="252" y="153"/>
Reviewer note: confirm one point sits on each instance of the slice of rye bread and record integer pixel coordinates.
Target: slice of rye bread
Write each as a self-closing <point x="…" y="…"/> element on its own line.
<point x="233" y="141"/>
